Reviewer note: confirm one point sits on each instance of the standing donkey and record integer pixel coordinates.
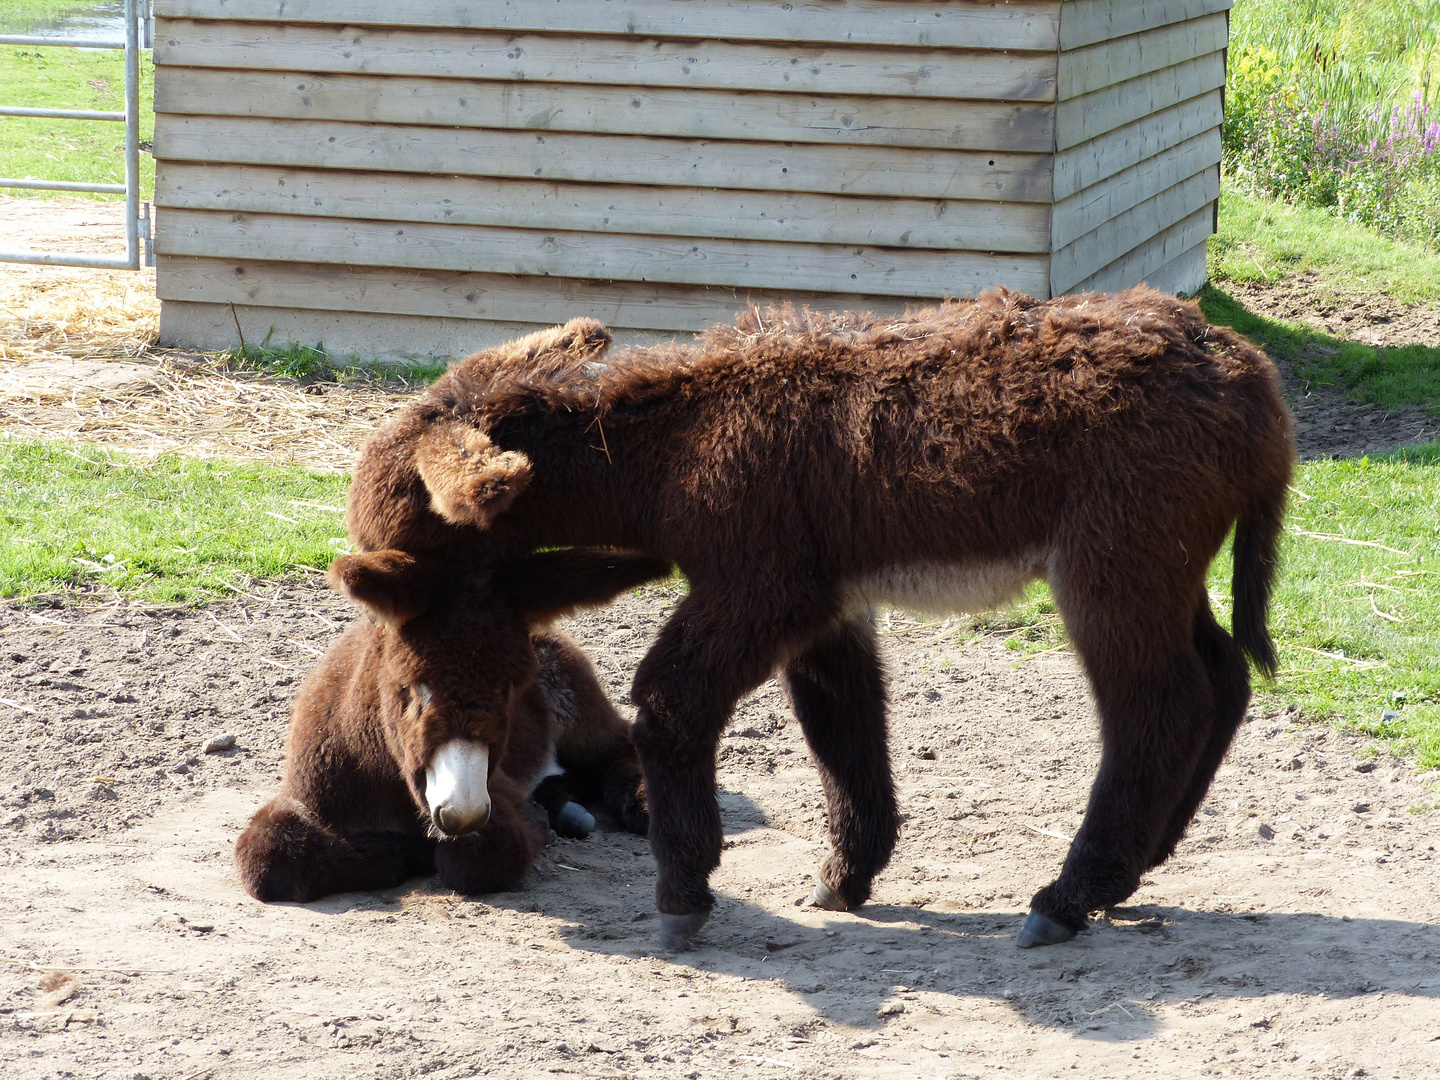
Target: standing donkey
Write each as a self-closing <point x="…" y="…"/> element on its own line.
<point x="800" y="468"/>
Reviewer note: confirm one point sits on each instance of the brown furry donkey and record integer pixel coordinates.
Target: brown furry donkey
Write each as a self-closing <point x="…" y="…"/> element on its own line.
<point x="420" y="738"/>
<point x="800" y="468"/>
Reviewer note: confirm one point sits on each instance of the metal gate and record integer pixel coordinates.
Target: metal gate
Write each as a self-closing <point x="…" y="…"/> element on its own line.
<point x="138" y="34"/>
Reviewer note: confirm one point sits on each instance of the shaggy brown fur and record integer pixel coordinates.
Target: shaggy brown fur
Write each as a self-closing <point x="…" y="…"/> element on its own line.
<point x="446" y="653"/>
<point x="801" y="467"/>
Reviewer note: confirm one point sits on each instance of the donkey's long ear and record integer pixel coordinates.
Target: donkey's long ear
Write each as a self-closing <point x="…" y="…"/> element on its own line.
<point x="575" y="342"/>
<point x="393" y="586"/>
<point x="550" y="584"/>
<point x="470" y="479"/>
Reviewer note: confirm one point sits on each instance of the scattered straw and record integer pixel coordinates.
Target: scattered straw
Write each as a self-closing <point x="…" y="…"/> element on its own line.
<point x="196" y="405"/>
<point x="57" y="322"/>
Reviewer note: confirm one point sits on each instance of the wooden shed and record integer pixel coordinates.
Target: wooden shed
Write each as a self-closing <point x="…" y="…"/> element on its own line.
<point x="431" y="176"/>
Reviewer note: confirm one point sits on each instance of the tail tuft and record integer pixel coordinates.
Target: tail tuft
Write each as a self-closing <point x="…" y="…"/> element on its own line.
<point x="1257" y="556"/>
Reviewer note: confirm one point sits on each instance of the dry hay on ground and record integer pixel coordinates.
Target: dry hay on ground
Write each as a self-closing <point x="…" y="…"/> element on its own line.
<point x="52" y="311"/>
<point x="78" y="361"/>
<point x="189" y="404"/>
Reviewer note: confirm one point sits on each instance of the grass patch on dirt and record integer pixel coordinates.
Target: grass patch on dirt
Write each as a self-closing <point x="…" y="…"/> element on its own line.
<point x="169" y="528"/>
<point x="296" y="361"/>
<point x="1394" y="377"/>
<point x="80" y="151"/>
<point x="1356" y="616"/>
<point x="1261" y="240"/>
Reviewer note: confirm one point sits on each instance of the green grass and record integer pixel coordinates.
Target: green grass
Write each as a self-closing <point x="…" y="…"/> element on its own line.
<point x="24" y="16"/>
<point x="1266" y="240"/>
<point x="295" y="361"/>
<point x="169" y="529"/>
<point x="1348" y="53"/>
<point x="1262" y="240"/>
<point x="81" y="151"/>
<point x="1357" y="613"/>
<point x="1356" y="617"/>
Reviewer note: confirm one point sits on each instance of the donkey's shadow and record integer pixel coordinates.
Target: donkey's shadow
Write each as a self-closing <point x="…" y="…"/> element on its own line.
<point x="1107" y="983"/>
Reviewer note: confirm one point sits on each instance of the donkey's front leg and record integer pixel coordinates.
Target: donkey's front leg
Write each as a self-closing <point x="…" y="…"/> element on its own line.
<point x="706" y="656"/>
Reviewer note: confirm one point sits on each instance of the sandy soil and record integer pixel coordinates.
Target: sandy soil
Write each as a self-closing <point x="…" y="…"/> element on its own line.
<point x="1294" y="933"/>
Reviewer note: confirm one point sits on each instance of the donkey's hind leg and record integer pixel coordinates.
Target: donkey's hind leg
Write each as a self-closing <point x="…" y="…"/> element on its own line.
<point x="567" y="817"/>
<point x="1230" y="682"/>
<point x="1157" y="709"/>
<point x="287" y="853"/>
<point x="837" y="690"/>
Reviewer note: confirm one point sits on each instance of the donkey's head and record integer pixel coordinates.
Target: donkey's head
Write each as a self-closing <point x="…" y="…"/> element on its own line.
<point x="435" y="465"/>
<point x="454" y="655"/>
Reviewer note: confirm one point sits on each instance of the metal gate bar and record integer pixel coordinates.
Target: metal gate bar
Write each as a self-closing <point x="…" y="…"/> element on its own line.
<point x="137" y="220"/>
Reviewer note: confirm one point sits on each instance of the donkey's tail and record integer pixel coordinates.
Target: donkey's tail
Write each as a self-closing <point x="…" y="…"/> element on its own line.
<point x="1257" y="540"/>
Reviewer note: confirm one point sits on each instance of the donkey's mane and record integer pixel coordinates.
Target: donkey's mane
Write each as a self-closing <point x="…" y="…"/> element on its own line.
<point x="570" y="371"/>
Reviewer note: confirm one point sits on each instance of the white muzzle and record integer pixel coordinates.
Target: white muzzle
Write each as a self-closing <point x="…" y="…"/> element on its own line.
<point x="456" y="787"/>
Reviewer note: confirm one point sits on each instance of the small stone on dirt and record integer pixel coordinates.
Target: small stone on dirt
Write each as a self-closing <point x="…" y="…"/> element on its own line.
<point x="216" y="743"/>
<point x="891" y="1008"/>
<point x="1266" y="832"/>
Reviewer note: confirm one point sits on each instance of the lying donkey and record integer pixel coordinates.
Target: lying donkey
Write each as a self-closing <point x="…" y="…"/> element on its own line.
<point x="420" y="738"/>
<point x="800" y="468"/>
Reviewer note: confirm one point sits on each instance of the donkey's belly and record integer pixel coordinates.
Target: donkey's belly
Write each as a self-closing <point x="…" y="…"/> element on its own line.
<point x="944" y="588"/>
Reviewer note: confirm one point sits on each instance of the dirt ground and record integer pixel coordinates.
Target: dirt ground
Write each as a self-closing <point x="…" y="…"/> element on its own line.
<point x="1296" y="933"/>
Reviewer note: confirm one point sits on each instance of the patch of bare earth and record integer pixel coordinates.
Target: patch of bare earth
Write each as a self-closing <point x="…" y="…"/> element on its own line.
<point x="1294" y="933"/>
<point x="1327" y="422"/>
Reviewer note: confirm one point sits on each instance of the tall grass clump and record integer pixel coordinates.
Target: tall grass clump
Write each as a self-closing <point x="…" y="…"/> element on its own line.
<point x="1336" y="104"/>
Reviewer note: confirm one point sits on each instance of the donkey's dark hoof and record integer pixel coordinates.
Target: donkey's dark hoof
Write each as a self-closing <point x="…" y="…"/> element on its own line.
<point x="1042" y="930"/>
<point x="827" y="898"/>
<point x="574" y="821"/>
<point x="677" y="930"/>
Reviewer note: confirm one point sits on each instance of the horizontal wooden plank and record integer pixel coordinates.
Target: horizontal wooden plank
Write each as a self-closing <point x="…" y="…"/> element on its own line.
<point x="1184" y="274"/>
<point x="621" y="61"/>
<point x="353" y="293"/>
<point x="615" y="257"/>
<point x="1084" y="22"/>
<point x="1090" y="162"/>
<point x="612" y="110"/>
<point x="1087" y="117"/>
<point x="1015" y="24"/>
<point x="1152" y="256"/>
<point x="1097" y="204"/>
<point x="738" y="215"/>
<point x="1102" y="246"/>
<point x="836" y="170"/>
<point x="1082" y="71"/>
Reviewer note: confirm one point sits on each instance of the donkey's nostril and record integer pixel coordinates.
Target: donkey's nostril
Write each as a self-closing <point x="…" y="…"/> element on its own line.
<point x="451" y="823"/>
<point x="455" y="787"/>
